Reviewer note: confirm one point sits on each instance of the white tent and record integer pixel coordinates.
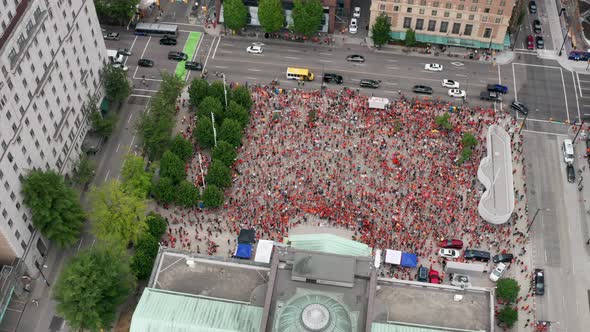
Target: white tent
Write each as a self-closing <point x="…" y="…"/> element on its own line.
<point x="393" y="256"/>
<point x="263" y="251"/>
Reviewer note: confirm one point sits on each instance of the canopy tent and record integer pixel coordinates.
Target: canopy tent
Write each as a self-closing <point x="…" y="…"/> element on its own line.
<point x="247" y="236"/>
<point x="243" y="251"/>
<point x="263" y="251"/>
<point x="393" y="256"/>
<point x="409" y="260"/>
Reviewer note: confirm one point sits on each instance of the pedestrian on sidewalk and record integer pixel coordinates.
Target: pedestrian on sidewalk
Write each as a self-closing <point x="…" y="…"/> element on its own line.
<point x="35" y="302"/>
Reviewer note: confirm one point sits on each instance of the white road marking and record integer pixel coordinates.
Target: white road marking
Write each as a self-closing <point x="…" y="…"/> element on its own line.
<point x="129" y="120"/>
<point x="392" y="60"/>
<point x="576" y="94"/>
<point x="131" y="145"/>
<point x="251" y="78"/>
<point x="142" y="53"/>
<point x="218" y="40"/>
<point x="543" y="132"/>
<point x="144" y="96"/>
<point x="586" y="106"/>
<point x="290" y="50"/>
<point x="542" y="66"/>
<point x="326" y="54"/>
<point x="118" y="146"/>
<point x="324" y="60"/>
<point x="226" y="44"/>
<point x="390" y="83"/>
<point x="484" y="82"/>
<point x="567" y="110"/>
<point x="145" y="90"/>
<point x="252" y="69"/>
<point x="224" y="51"/>
<point x="355" y="80"/>
<point x="220" y="67"/>
<point x="107" y="175"/>
<point x="393" y="68"/>
<point x="190" y="25"/>
<point x="499" y="82"/>
<point x="131" y="48"/>
<point x="514" y="82"/>
<point x="292" y="57"/>
<point x="209" y="53"/>
<point x="79" y="246"/>
<point x="461" y="75"/>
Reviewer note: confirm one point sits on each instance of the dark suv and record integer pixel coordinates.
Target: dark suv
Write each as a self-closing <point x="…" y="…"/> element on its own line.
<point x="490" y="96"/>
<point x="478" y="255"/>
<point x="178" y="56"/>
<point x="192" y="65"/>
<point x="422" y="89"/>
<point x="503" y="258"/>
<point x="532" y="7"/>
<point x="539" y="282"/>
<point x="519" y="107"/>
<point x="331" y="77"/>
<point x="168" y="41"/>
<point x="537" y="26"/>
<point x="369" y="84"/>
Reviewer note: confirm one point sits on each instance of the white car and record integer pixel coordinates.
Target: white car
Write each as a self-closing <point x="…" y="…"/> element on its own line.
<point x="353" y="26"/>
<point x="433" y="67"/>
<point x="456" y="93"/>
<point x="356" y="12"/>
<point x="450" y="84"/>
<point x="498" y="272"/>
<point x="254" y="49"/>
<point x="449" y="253"/>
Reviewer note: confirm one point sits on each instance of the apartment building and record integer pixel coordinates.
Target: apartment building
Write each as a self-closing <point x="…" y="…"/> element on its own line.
<point x="466" y="23"/>
<point x="51" y="54"/>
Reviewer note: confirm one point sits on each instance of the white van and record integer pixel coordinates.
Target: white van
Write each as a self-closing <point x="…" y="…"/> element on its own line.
<point x="568" y="151"/>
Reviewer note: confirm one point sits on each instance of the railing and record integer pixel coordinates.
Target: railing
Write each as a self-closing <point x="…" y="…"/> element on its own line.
<point x="20" y="10"/>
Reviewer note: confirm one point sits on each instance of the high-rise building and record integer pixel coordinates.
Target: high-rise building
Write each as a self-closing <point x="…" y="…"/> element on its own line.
<point x="51" y="55"/>
<point x="465" y="23"/>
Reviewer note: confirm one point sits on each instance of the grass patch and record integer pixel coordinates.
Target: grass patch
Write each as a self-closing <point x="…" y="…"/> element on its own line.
<point x="189" y="48"/>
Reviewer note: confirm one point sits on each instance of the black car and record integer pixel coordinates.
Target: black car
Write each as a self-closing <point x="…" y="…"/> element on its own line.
<point x="539" y="282"/>
<point x="145" y="63"/>
<point x="369" y="84"/>
<point x="532" y="7"/>
<point x="519" y="107"/>
<point x="537" y="26"/>
<point x="331" y="77"/>
<point x="490" y="96"/>
<point x="540" y="42"/>
<point x="192" y="65"/>
<point x="422" y="89"/>
<point x="178" y="56"/>
<point x="571" y="173"/>
<point x="355" y="58"/>
<point x="168" y="41"/>
<point x="478" y="255"/>
<point x="422" y="274"/>
<point x="503" y="258"/>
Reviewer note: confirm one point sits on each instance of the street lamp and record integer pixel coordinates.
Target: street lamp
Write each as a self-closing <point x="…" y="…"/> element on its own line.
<point x="214" y="130"/>
<point x="224" y="92"/>
<point x="535" y="217"/>
<point x="580" y="129"/>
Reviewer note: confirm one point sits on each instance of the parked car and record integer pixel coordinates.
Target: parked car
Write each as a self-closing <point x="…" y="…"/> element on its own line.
<point x="571" y="173"/>
<point x="355" y="58"/>
<point x="519" y="107"/>
<point x="254" y="49"/>
<point x="449" y="253"/>
<point x="168" y="41"/>
<point x="356" y="12"/>
<point x="490" y="96"/>
<point x="539" y="282"/>
<point x="124" y="51"/>
<point x="498" y="272"/>
<point x="111" y="36"/>
<point x="422" y="89"/>
<point x="530" y="42"/>
<point x="145" y="63"/>
<point x="433" y="67"/>
<point x="434" y="277"/>
<point x="331" y="77"/>
<point x="460" y="280"/>
<point x="178" y="56"/>
<point x="450" y="84"/>
<point x="192" y="65"/>
<point x="353" y="27"/>
<point x="498" y="88"/>
<point x="369" y="84"/>
<point x="422" y="274"/>
<point x="532" y="7"/>
<point x="540" y="42"/>
<point x="502" y="258"/>
<point x="456" y="93"/>
<point x="537" y="26"/>
<point x="478" y="255"/>
<point x="451" y="244"/>
<point x="567" y="148"/>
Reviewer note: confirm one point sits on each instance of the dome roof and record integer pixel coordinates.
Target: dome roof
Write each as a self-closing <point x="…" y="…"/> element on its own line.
<point x="314" y="313"/>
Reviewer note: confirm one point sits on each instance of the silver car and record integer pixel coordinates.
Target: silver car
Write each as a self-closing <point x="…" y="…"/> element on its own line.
<point x="461" y="280"/>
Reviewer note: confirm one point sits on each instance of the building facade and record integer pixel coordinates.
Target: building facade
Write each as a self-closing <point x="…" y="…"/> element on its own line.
<point x="466" y="23"/>
<point x="51" y="56"/>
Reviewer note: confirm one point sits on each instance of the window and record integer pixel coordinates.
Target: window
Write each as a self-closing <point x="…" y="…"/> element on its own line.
<point x="435" y="4"/>
<point x="407" y="22"/>
<point x="484" y="18"/>
<point x="498" y="20"/>
<point x="419" y="24"/>
<point x="4" y="214"/>
<point x="423" y="2"/>
<point x="431" y="25"/>
<point x="468" y="29"/>
<point x="409" y="10"/>
<point x="23" y="244"/>
<point x="421" y="11"/>
<point x="17" y="235"/>
<point x="382" y="7"/>
<point x="444" y="26"/>
<point x="500" y="11"/>
<point x="10" y="158"/>
<point x="459" y="15"/>
<point x="395" y="9"/>
<point x="487" y="33"/>
<point x="29" y="227"/>
<point x="449" y="5"/>
<point x="447" y="14"/>
<point x="461" y="7"/>
<point x="434" y="12"/>
<point x="486" y="10"/>
<point x="471" y="17"/>
<point x="502" y="3"/>
<point x="456" y="28"/>
<point x="10" y="223"/>
<point x="474" y="8"/>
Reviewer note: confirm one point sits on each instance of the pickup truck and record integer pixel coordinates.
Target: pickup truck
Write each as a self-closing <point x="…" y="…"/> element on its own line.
<point x="498" y="88"/>
<point x="490" y="95"/>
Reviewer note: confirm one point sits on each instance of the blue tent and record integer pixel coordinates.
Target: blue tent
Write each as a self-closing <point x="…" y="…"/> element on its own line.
<point x="243" y="251"/>
<point x="409" y="260"/>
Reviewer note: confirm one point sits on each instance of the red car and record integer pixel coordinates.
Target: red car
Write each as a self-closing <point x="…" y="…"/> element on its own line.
<point x="433" y="277"/>
<point x="451" y="244"/>
<point x="530" y="42"/>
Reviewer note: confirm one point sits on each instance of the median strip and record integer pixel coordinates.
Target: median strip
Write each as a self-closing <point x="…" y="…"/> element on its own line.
<point x="189" y="49"/>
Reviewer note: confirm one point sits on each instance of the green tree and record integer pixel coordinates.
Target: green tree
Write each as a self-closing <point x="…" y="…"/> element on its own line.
<point x="171" y="86"/>
<point x="235" y="14"/>
<point x="241" y="95"/>
<point x="115" y="83"/>
<point x="115" y="11"/>
<point x="466" y="153"/>
<point x="507" y="289"/>
<point x="203" y="133"/>
<point x="211" y="105"/>
<point x="410" y="38"/>
<point x="218" y="174"/>
<point x="164" y="191"/>
<point x="136" y="180"/>
<point x="307" y="16"/>
<point x="156" y="225"/>
<point x="187" y="194"/>
<point x="508" y="316"/>
<point x="116" y="216"/>
<point x="91" y="287"/>
<point x="380" y="31"/>
<point x="237" y="112"/>
<point x="271" y="15"/>
<point x="468" y="140"/>
<point x="198" y="90"/>
<point x="225" y="153"/>
<point x="171" y="166"/>
<point x="103" y="125"/>
<point x="142" y="262"/>
<point x="84" y="170"/>
<point x="212" y="197"/>
<point x="217" y="91"/>
<point x="182" y="148"/>
<point x="442" y="121"/>
<point x="231" y="132"/>
<point x="55" y="208"/>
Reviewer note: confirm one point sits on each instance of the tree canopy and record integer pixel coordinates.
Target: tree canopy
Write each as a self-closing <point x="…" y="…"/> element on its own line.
<point x="182" y="148"/>
<point x="211" y="105"/>
<point x="507" y="289"/>
<point x="410" y="38"/>
<point x="218" y="174"/>
<point x="115" y="83"/>
<point x="237" y="112"/>
<point x="307" y="16"/>
<point x="116" y="216"/>
<point x="136" y="180"/>
<point x="198" y="90"/>
<point x="55" y="208"/>
<point x="271" y="15"/>
<point x="115" y="11"/>
<point x="164" y="190"/>
<point x="508" y="316"/>
<point x="171" y="166"/>
<point x="91" y="287"/>
<point x="103" y="125"/>
<point x="212" y="197"/>
<point x="442" y="121"/>
<point x="380" y="31"/>
<point x="224" y="152"/>
<point x="156" y="225"/>
<point x="235" y="14"/>
<point x="203" y="133"/>
<point x="231" y="132"/>
<point x="187" y="194"/>
<point x="217" y="91"/>
<point x="142" y="262"/>
<point x="241" y="95"/>
<point x="84" y="170"/>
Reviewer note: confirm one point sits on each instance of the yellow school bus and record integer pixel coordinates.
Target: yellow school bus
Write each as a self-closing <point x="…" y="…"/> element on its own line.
<point x="301" y="74"/>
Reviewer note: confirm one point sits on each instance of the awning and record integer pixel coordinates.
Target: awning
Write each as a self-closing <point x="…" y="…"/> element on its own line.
<point x="263" y="251"/>
<point x="409" y="260"/>
<point x="393" y="256"/>
<point x="243" y="251"/>
<point x="247" y="236"/>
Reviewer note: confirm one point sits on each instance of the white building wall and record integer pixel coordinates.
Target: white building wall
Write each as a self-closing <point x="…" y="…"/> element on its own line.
<point x="49" y="64"/>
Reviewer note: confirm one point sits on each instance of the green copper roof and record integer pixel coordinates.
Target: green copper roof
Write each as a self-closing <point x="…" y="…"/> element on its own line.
<point x="160" y="310"/>
<point x="380" y="327"/>
<point x="329" y="243"/>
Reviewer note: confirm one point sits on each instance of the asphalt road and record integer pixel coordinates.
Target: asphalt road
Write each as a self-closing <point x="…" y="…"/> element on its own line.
<point x="527" y="28"/>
